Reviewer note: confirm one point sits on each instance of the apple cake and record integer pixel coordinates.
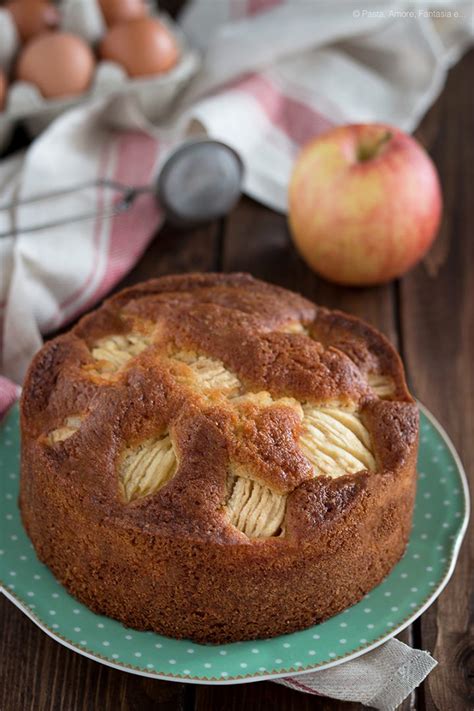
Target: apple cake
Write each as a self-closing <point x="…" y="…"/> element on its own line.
<point x="213" y="457"/>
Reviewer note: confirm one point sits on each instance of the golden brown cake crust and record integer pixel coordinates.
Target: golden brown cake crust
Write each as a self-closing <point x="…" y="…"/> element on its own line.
<point x="184" y="451"/>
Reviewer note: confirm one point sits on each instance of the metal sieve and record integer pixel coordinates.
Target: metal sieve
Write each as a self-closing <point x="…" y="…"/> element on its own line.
<point x="200" y="181"/>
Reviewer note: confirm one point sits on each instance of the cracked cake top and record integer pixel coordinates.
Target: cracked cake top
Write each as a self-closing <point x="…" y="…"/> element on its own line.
<point x="219" y="406"/>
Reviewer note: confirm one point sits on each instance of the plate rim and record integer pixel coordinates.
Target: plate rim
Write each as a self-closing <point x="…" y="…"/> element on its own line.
<point x="267" y="675"/>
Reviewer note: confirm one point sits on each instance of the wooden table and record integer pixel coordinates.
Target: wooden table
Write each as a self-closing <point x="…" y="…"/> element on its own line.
<point x="429" y="316"/>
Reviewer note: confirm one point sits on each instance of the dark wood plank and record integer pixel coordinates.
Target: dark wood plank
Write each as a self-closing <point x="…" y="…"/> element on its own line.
<point x="264" y="696"/>
<point x="38" y="674"/>
<point x="437" y="316"/>
<point x="175" y="251"/>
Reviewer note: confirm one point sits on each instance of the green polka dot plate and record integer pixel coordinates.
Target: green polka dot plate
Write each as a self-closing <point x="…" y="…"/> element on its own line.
<point x="441" y="515"/>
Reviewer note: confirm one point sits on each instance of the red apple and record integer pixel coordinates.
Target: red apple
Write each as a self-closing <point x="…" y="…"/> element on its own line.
<point x="364" y="203"/>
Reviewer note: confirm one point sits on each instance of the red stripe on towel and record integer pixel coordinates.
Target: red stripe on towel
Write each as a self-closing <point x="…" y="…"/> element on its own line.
<point x="136" y="160"/>
<point x="298" y="121"/>
<point x="9" y="393"/>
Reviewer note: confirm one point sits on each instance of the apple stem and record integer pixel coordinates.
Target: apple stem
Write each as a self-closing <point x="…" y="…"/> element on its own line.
<point x="370" y="150"/>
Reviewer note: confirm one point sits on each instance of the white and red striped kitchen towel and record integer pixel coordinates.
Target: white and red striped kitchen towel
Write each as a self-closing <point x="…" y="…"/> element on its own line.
<point x="274" y="74"/>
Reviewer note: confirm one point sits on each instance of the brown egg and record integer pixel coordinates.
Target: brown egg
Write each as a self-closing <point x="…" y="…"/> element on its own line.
<point x="115" y="11"/>
<point x="3" y="90"/>
<point x="142" y="47"/>
<point x="33" y="17"/>
<point x="58" y="63"/>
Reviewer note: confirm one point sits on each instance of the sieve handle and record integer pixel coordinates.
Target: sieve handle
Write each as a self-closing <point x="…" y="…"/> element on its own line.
<point x="128" y="196"/>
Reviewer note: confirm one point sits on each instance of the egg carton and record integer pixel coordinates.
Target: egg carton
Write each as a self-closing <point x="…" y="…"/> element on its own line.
<point x="154" y="94"/>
